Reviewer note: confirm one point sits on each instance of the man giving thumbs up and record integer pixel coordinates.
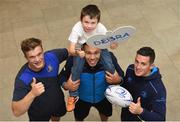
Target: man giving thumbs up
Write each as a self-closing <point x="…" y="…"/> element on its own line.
<point x="143" y="81"/>
<point x="36" y="89"/>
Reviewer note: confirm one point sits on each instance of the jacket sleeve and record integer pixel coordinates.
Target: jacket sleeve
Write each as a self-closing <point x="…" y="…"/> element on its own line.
<point x="129" y="70"/>
<point x="158" y="112"/>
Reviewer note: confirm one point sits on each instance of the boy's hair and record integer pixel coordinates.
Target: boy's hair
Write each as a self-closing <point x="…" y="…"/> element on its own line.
<point x="30" y="44"/>
<point x="91" y="10"/>
<point x="147" y="51"/>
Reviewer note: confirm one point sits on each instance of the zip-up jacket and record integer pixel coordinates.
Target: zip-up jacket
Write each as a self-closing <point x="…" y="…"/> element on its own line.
<point x="152" y="92"/>
<point x="92" y="80"/>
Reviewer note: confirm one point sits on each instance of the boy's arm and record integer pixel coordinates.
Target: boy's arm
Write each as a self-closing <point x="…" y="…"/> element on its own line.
<point x="75" y="52"/>
<point x="73" y="39"/>
<point x="72" y="50"/>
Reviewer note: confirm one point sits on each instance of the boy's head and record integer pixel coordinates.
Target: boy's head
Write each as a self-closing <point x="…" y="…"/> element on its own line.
<point x="90" y="16"/>
<point x="92" y="11"/>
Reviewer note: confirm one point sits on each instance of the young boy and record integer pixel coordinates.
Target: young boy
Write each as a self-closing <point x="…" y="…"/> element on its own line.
<point x="88" y="25"/>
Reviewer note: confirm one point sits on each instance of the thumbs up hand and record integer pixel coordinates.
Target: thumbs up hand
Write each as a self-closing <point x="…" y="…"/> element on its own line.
<point x="36" y="88"/>
<point x="135" y="108"/>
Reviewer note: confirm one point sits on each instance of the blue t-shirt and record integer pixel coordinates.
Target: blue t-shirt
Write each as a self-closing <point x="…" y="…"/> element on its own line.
<point x="53" y="96"/>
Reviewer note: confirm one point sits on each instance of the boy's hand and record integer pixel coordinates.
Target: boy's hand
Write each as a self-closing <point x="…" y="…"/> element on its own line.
<point x="81" y="53"/>
<point x="114" y="45"/>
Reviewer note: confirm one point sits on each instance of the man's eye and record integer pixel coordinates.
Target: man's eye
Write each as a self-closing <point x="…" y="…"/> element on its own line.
<point x="96" y="53"/>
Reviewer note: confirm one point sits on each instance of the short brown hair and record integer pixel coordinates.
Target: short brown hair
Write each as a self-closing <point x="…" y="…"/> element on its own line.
<point x="30" y="44"/>
<point x="147" y="51"/>
<point x="91" y="10"/>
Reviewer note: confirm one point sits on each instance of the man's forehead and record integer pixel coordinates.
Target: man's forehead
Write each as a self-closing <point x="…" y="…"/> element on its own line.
<point x="142" y="58"/>
<point x="35" y="51"/>
<point x="91" y="49"/>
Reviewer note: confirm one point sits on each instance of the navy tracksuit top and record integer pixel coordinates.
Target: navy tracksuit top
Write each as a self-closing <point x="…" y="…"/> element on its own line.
<point x="152" y="93"/>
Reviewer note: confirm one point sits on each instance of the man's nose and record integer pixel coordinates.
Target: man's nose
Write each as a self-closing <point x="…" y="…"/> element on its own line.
<point x="37" y="58"/>
<point x="138" y="66"/>
<point x="89" y="25"/>
<point x="92" y="56"/>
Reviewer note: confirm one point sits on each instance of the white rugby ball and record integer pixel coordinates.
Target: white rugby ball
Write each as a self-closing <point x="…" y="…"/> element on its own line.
<point x="118" y="95"/>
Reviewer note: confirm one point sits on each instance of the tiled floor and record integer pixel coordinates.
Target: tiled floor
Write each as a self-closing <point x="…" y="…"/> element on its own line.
<point x="157" y="23"/>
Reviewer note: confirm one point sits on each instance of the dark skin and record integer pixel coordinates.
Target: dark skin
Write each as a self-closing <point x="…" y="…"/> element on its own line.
<point x="92" y="56"/>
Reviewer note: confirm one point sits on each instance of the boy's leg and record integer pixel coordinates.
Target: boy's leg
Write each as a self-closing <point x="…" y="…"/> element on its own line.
<point x="78" y="64"/>
<point x="106" y="61"/>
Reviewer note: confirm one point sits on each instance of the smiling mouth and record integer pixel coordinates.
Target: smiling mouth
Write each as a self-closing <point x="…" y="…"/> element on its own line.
<point x="92" y="62"/>
<point x="37" y="63"/>
<point x="88" y="30"/>
<point x="138" y="71"/>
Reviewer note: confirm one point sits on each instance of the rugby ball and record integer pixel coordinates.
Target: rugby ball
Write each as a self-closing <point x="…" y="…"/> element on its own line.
<point x="118" y="95"/>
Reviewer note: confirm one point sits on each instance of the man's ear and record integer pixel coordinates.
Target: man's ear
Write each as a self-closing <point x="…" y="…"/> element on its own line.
<point x="152" y="65"/>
